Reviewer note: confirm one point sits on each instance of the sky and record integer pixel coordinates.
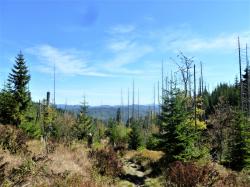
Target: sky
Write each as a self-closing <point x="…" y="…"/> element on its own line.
<point x="98" y="47"/>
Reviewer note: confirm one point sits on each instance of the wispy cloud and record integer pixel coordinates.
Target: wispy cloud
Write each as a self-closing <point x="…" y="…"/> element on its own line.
<point x="126" y="49"/>
<point x="68" y="62"/>
<point x="133" y="54"/>
<point x="122" y="29"/>
<point x="191" y="42"/>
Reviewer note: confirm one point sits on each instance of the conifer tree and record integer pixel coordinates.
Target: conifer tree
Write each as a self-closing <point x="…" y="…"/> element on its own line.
<point x="245" y="90"/>
<point x="118" y="116"/>
<point x="84" y="122"/>
<point x="246" y="137"/>
<point x="135" y="139"/>
<point x="172" y="115"/>
<point x="178" y="135"/>
<point x="7" y="106"/>
<point x="18" y="86"/>
<point x="236" y="144"/>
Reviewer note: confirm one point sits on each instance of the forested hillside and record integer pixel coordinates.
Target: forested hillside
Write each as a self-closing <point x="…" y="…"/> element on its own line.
<point x="106" y="112"/>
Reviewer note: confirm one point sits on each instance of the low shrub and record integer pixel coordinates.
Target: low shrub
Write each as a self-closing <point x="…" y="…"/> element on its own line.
<point x="190" y="174"/>
<point x="32" y="129"/>
<point x="106" y="162"/>
<point x="13" y="139"/>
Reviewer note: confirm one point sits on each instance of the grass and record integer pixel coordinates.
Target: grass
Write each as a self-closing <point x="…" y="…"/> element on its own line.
<point x="150" y="155"/>
<point x="65" y="166"/>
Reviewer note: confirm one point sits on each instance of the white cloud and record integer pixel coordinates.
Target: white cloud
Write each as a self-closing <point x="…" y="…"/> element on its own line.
<point x="68" y="62"/>
<point x="190" y="42"/>
<point x="129" y="55"/>
<point x="122" y="29"/>
<point x="124" y="53"/>
<point x="120" y="45"/>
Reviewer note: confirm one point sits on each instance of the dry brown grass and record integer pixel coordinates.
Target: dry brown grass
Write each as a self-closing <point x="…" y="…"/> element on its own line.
<point x="12" y="160"/>
<point x="36" y="147"/>
<point x="147" y="154"/>
<point x="66" y="166"/>
<point x="66" y="159"/>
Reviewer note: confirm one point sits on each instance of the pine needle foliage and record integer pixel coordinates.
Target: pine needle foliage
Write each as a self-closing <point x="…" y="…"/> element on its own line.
<point x="16" y="94"/>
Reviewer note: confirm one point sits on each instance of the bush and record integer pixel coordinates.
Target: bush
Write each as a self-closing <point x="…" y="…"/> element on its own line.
<point x="119" y="135"/>
<point x="189" y="174"/>
<point x="106" y="162"/>
<point x="32" y="129"/>
<point x="13" y="139"/>
<point x="152" y="142"/>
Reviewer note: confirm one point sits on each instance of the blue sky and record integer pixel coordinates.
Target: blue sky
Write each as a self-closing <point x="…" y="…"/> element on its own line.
<point x="99" y="47"/>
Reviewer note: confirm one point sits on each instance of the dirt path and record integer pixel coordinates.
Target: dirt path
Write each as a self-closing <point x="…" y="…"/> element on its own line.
<point x="134" y="173"/>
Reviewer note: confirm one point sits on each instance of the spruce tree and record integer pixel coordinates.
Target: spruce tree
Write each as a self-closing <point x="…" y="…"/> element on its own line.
<point x="7" y="106"/>
<point x="246" y="137"/>
<point x="245" y="91"/>
<point x="177" y="137"/>
<point x="171" y="116"/>
<point x="118" y="116"/>
<point x="18" y="85"/>
<point x="84" y="122"/>
<point x="135" y="139"/>
<point x="236" y="144"/>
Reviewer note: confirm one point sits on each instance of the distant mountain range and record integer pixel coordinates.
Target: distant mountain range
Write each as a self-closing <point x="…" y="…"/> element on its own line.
<point x="105" y="112"/>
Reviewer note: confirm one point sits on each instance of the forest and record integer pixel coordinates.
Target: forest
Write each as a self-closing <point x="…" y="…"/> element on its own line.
<point x="194" y="137"/>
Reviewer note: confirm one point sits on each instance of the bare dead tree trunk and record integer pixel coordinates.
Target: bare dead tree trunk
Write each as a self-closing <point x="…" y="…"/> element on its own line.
<point x="159" y="108"/>
<point x="138" y="102"/>
<point x="162" y="82"/>
<point x="241" y="85"/>
<point x="121" y="106"/>
<point x="128" y="110"/>
<point x="54" y="101"/>
<point x="133" y="106"/>
<point x="195" y="98"/>
<point x="167" y="89"/>
<point x="202" y="80"/>
<point x="184" y="68"/>
<point x="45" y="129"/>
<point x="154" y="99"/>
<point x="248" y="81"/>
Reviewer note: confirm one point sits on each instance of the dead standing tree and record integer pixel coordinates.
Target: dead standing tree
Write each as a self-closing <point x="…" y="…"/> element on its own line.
<point x="184" y="67"/>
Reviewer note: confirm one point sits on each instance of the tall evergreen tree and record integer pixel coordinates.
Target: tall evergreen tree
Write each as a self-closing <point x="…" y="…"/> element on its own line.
<point x="18" y="86"/>
<point x="174" y="138"/>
